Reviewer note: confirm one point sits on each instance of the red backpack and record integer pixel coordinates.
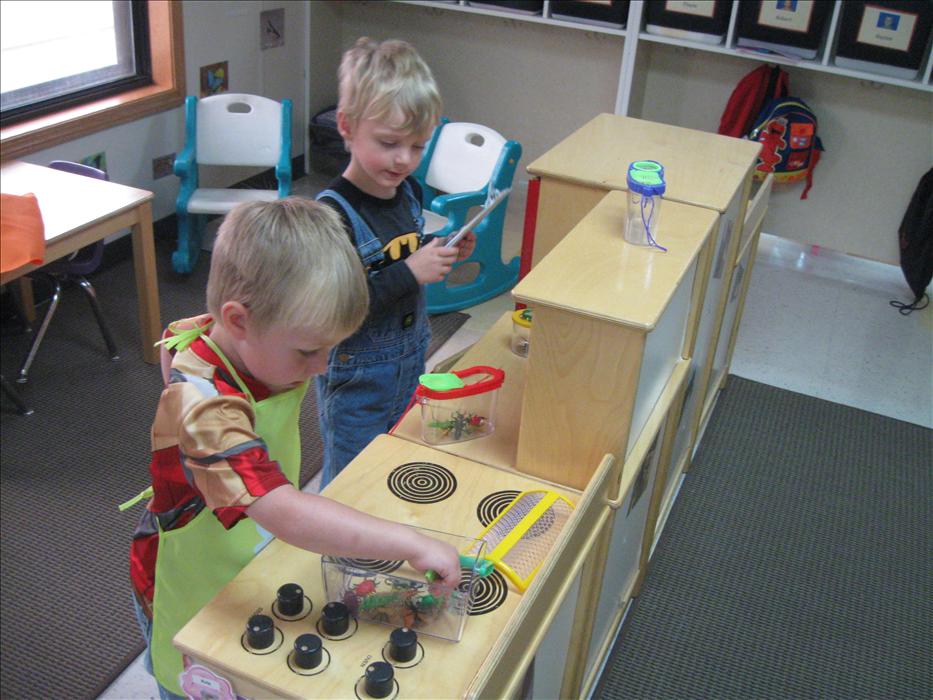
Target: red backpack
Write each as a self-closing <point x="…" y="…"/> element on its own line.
<point x="759" y="87"/>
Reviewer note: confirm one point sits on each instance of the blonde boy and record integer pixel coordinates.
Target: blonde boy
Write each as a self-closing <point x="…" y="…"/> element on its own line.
<point x="285" y="286"/>
<point x="389" y="104"/>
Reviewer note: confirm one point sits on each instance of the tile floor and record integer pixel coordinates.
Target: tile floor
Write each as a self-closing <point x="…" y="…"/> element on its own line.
<point x="816" y="322"/>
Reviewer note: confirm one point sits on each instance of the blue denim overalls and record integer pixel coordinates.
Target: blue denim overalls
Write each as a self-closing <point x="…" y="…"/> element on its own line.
<point x="372" y="375"/>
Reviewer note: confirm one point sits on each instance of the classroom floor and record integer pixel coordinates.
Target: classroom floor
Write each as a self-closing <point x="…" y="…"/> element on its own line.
<point x="816" y="322"/>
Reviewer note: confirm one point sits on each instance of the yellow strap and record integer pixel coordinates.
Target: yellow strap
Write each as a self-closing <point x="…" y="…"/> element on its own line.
<point x="145" y="493"/>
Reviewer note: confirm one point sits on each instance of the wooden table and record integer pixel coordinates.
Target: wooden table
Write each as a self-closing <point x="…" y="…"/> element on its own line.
<point x="78" y="211"/>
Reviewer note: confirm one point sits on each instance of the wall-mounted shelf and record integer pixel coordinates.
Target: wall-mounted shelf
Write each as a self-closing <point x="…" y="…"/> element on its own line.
<point x="824" y="62"/>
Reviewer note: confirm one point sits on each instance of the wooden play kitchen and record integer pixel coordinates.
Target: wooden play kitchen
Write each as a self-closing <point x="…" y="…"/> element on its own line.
<point x="589" y="417"/>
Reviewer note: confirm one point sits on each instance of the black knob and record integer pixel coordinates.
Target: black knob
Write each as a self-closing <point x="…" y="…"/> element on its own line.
<point x="403" y="644"/>
<point x="308" y="651"/>
<point x="336" y="618"/>
<point x="291" y="599"/>
<point x="260" y="631"/>
<point x="379" y="679"/>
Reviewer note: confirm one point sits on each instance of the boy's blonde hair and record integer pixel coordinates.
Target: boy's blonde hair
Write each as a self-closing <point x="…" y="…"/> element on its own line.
<point x="291" y="263"/>
<point x="379" y="79"/>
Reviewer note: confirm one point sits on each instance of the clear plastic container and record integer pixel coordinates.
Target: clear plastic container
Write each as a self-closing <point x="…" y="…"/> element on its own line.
<point x="395" y="594"/>
<point x="521" y="331"/>
<point x="455" y="410"/>
<point x="645" y="186"/>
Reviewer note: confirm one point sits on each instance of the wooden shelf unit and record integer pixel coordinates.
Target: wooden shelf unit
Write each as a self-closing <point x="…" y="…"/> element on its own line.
<point x="823" y="63"/>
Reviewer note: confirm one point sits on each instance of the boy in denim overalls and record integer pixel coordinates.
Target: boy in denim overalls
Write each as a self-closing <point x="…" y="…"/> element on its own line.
<point x="388" y="107"/>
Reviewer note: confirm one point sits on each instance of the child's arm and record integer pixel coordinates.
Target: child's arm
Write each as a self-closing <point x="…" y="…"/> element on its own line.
<point x="431" y="262"/>
<point x="322" y="525"/>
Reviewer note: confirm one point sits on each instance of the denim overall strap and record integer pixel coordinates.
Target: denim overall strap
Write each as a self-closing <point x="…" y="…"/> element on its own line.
<point x="415" y="205"/>
<point x="367" y="244"/>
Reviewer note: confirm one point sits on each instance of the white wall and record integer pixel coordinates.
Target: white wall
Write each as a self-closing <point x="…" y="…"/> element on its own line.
<point x="214" y="32"/>
<point x="878" y="140"/>
<point x="532" y="83"/>
<point x="537" y="84"/>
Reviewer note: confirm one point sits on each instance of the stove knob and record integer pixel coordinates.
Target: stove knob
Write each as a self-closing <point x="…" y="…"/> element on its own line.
<point x="308" y="651"/>
<point x="379" y="679"/>
<point x="291" y="599"/>
<point x="403" y="644"/>
<point x="336" y="618"/>
<point x="260" y="631"/>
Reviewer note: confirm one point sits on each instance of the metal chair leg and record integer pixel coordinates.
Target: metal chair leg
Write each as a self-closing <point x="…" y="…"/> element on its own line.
<point x="10" y="391"/>
<point x="40" y="334"/>
<point x="99" y="314"/>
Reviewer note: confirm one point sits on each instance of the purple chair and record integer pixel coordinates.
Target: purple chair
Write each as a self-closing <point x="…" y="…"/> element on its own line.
<point x="71" y="269"/>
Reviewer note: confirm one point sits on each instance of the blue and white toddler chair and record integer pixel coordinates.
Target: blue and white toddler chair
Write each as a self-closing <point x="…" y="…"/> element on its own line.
<point x="229" y="129"/>
<point x="464" y="166"/>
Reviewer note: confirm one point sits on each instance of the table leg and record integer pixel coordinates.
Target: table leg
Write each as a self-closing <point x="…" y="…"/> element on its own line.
<point x="26" y="300"/>
<point x="147" y="283"/>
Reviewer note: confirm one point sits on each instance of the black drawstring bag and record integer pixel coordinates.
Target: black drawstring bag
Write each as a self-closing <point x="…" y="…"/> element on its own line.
<point x="916" y="242"/>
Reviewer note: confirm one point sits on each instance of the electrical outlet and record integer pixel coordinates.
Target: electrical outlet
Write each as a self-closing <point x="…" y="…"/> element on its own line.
<point x="162" y="166"/>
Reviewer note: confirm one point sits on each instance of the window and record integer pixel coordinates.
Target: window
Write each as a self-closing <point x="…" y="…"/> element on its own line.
<point x="55" y="54"/>
<point x="121" y="61"/>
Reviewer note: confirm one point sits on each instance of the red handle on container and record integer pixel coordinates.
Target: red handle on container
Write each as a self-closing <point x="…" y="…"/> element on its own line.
<point x="493" y="382"/>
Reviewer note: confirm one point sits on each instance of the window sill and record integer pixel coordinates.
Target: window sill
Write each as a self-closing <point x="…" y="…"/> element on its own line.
<point x="166" y="92"/>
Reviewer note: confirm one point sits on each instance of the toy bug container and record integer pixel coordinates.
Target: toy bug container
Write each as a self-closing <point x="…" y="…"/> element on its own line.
<point x="460" y="405"/>
<point x="395" y="594"/>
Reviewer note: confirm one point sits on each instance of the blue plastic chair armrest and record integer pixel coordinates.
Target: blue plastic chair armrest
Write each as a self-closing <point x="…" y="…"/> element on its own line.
<point x="445" y="203"/>
<point x="184" y="163"/>
<point x="283" y="169"/>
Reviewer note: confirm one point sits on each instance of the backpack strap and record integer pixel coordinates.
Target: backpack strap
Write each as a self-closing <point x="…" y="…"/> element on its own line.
<point x="815" y="153"/>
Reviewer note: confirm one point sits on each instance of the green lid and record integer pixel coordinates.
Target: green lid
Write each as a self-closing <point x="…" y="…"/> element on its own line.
<point x="646" y="165"/>
<point x="441" y="381"/>
<point x="646" y="177"/>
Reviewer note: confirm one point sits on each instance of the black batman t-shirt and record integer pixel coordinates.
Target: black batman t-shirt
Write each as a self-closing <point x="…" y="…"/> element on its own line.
<point x="392" y="286"/>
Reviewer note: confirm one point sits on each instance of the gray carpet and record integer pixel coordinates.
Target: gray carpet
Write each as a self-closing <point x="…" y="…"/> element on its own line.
<point x="797" y="561"/>
<point x="68" y="627"/>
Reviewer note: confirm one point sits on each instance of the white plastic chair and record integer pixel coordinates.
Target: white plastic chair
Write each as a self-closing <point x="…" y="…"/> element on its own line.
<point x="463" y="163"/>
<point x="227" y="130"/>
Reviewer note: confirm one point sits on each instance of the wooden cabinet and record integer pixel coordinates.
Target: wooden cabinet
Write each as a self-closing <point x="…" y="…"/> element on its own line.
<point x="611" y="320"/>
<point x="704" y="170"/>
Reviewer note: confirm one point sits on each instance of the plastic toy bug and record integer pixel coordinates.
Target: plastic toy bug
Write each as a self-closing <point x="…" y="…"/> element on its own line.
<point x="460" y="424"/>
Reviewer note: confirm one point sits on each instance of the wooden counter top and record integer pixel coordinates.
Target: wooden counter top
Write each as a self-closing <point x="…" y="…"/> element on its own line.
<point x="594" y="272"/>
<point x="701" y="168"/>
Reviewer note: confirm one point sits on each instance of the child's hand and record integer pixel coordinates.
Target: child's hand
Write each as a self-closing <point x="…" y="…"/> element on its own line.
<point x="465" y="246"/>
<point x="431" y="263"/>
<point x="439" y="557"/>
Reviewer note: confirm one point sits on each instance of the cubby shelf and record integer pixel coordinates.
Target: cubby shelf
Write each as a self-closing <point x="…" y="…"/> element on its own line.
<point x="823" y="64"/>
